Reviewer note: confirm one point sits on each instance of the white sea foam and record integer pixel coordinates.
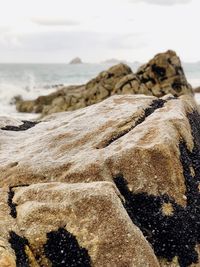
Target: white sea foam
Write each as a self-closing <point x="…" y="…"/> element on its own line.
<point x="7" y="93"/>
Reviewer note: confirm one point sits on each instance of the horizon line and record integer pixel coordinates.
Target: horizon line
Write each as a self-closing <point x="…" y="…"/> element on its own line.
<point x="100" y="62"/>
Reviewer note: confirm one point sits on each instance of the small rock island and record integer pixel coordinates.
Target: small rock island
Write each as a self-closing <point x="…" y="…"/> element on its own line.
<point x="76" y="60"/>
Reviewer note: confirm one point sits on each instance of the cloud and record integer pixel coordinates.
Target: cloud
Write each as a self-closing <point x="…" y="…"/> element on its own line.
<point x="57" y="46"/>
<point x="54" y="22"/>
<point x="126" y="41"/>
<point x="163" y="2"/>
<point x="74" y="40"/>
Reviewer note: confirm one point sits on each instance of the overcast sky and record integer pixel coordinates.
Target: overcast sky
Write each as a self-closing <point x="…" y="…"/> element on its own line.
<point x="96" y="30"/>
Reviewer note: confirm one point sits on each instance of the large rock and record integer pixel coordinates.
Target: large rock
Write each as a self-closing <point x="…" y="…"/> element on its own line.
<point x="71" y="225"/>
<point x="102" y="141"/>
<point x="162" y="75"/>
<point x="148" y="147"/>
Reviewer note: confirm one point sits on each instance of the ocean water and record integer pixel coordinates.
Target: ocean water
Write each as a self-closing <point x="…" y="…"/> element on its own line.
<point x="32" y="80"/>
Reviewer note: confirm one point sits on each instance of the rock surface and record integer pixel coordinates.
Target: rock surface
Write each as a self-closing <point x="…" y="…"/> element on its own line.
<point x="162" y="75"/>
<point x="141" y="149"/>
<point x="101" y="141"/>
<point x="68" y="225"/>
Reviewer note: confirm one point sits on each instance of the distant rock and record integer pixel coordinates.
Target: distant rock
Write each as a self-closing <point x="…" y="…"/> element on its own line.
<point x="76" y="60"/>
<point x="160" y="76"/>
<point x="197" y="90"/>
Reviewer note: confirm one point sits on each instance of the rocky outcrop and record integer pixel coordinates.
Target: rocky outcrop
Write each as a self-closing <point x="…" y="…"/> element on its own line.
<point x="162" y="75"/>
<point x="111" y="182"/>
<point x="75" y="97"/>
<point x="76" y="60"/>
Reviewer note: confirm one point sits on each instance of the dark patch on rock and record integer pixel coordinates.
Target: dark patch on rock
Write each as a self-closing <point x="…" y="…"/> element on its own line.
<point x="11" y="204"/>
<point x="172" y="98"/>
<point x="177" y="86"/>
<point x="159" y="71"/>
<point x="25" y="126"/>
<point x="169" y="61"/>
<point x="13" y="211"/>
<point x="163" y="79"/>
<point x="18" y="244"/>
<point x="179" y="70"/>
<point x="146" y="80"/>
<point x="128" y="82"/>
<point x="156" y="104"/>
<point x="63" y="250"/>
<point x="176" y="234"/>
<point x="170" y="236"/>
<point x="110" y="75"/>
<point x="141" y="72"/>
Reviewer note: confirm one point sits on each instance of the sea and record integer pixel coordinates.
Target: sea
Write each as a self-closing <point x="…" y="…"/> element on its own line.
<point x="32" y="80"/>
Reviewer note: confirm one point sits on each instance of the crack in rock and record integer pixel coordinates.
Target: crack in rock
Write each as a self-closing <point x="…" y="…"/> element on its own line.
<point x="156" y="104"/>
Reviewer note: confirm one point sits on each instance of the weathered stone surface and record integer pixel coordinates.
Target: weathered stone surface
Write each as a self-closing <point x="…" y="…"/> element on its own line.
<point x="101" y="141"/>
<point x="148" y="147"/>
<point x="75" y="225"/>
<point x="7" y="257"/>
<point x="43" y="104"/>
<point x="161" y="76"/>
<point x="164" y="74"/>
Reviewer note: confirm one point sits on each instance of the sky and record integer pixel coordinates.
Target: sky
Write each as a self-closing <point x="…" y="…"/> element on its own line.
<point x="97" y="30"/>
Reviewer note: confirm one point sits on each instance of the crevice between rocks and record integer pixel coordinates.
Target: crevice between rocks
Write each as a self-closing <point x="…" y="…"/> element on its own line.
<point x="11" y="204"/>
<point x="156" y="104"/>
<point x="172" y="230"/>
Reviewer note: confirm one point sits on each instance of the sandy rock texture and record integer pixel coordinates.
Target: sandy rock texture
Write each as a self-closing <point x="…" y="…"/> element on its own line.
<point x="60" y="224"/>
<point x="162" y="75"/>
<point x="117" y="182"/>
<point x="123" y="134"/>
